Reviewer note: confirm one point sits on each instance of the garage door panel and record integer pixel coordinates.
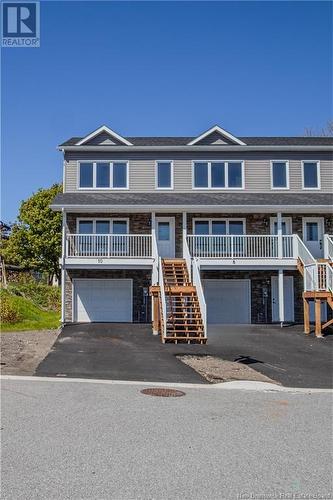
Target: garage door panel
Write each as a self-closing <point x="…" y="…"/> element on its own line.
<point x="228" y="301"/>
<point x="103" y="300"/>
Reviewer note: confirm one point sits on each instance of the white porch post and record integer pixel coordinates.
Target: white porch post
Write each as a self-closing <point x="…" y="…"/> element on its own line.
<point x="281" y="297"/>
<point x="184" y="226"/>
<point x="155" y="256"/>
<point x="279" y="235"/>
<point x="154" y="275"/>
<point x="63" y="270"/>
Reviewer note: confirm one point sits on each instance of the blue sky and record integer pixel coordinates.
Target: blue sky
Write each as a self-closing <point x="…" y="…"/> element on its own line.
<point x="160" y="68"/>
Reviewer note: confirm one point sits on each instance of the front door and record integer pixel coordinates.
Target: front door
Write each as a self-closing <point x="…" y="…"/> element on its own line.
<point x="165" y="235"/>
<point x="288" y="289"/>
<point x="313" y="234"/>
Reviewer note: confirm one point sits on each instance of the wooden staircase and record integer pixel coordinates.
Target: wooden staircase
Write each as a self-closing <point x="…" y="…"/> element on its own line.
<point x="323" y="293"/>
<point x="183" y="316"/>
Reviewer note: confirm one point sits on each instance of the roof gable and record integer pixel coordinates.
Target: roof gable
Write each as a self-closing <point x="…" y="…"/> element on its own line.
<point x="103" y="136"/>
<point x="215" y="136"/>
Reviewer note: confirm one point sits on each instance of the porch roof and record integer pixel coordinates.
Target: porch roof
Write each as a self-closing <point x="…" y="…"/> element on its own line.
<point x="194" y="202"/>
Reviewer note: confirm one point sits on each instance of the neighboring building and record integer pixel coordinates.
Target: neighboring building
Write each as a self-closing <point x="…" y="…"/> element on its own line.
<point x="242" y="211"/>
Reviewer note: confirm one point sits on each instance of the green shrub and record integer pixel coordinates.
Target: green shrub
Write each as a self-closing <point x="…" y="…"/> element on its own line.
<point x="44" y="296"/>
<point x="9" y="312"/>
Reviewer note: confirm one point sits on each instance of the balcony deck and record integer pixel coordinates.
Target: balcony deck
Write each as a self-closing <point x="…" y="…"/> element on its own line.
<point x="116" y="250"/>
<point x="252" y="251"/>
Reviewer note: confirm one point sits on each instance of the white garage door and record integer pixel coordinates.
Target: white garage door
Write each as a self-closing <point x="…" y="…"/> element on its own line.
<point x="103" y="300"/>
<point x="228" y="301"/>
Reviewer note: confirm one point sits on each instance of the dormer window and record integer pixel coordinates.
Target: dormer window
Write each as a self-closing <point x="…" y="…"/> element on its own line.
<point x="218" y="175"/>
<point x="103" y="175"/>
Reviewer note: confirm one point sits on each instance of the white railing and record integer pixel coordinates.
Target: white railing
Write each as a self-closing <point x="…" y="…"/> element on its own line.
<point x="164" y="319"/>
<point x="302" y="252"/>
<point x="240" y="247"/>
<point x="318" y="277"/>
<point x="109" y="245"/>
<point x="187" y="257"/>
<point x="328" y="247"/>
<point x="196" y="280"/>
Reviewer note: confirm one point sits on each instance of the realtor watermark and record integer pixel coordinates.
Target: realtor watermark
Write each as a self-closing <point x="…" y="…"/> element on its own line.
<point x="250" y="495"/>
<point x="20" y="25"/>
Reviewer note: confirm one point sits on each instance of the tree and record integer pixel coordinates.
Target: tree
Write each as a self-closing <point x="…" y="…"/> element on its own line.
<point x="326" y="131"/>
<point x="35" y="240"/>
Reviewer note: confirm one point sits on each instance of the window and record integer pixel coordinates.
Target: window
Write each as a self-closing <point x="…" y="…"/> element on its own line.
<point x="119" y="227"/>
<point x="102" y="226"/>
<point x="163" y="231"/>
<point x="86" y="227"/>
<point x="312" y="231"/>
<point x="279" y="175"/>
<point x="164" y="174"/>
<point x="286" y="225"/>
<point x="311" y="175"/>
<point x="86" y="174"/>
<point x="218" y="175"/>
<point x="103" y="175"/>
<point x="119" y="175"/>
<point x="218" y="227"/>
<point x="201" y="175"/>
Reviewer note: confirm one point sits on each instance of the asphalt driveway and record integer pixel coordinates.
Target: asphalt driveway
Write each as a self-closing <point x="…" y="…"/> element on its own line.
<point x="130" y="352"/>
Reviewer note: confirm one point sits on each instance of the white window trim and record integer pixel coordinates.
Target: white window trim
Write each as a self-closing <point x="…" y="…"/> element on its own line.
<point x="287" y="174"/>
<point x="218" y="219"/>
<point x="103" y="219"/>
<point x="318" y="175"/>
<point x="287" y="220"/>
<point x="171" y="174"/>
<point x="226" y="175"/>
<point x="94" y="187"/>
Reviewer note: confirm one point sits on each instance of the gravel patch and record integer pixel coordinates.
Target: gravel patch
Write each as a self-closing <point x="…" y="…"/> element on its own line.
<point x="21" y="352"/>
<point x="217" y="370"/>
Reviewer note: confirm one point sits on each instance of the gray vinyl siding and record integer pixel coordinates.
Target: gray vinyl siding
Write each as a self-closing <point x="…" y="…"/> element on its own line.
<point x="256" y="168"/>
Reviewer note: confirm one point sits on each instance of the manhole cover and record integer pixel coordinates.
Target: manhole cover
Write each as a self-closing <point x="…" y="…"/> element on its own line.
<point x="162" y="392"/>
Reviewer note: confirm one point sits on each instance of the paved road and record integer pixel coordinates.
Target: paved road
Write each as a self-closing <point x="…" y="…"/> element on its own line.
<point x="67" y="440"/>
<point x="130" y="352"/>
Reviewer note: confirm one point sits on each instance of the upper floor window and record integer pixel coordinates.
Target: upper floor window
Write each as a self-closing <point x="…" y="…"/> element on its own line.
<point x="218" y="175"/>
<point x="164" y="175"/>
<point x="279" y="175"/>
<point x="311" y="175"/>
<point x="103" y="175"/>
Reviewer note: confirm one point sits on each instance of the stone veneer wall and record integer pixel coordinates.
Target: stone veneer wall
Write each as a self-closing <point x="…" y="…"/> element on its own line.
<point x="259" y="280"/>
<point x="260" y="223"/>
<point x="141" y="279"/>
<point x="139" y="223"/>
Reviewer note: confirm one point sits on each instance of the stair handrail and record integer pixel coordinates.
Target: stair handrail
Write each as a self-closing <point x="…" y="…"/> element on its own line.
<point x="162" y="297"/>
<point x="303" y="253"/>
<point x="328" y="247"/>
<point x="196" y="280"/>
<point x="187" y="257"/>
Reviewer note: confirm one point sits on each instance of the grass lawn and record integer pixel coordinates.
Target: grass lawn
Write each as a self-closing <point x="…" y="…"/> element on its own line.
<point x="31" y="317"/>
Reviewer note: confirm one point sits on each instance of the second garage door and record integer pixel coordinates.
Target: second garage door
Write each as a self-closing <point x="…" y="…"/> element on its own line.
<point x="102" y="300"/>
<point x="228" y="301"/>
